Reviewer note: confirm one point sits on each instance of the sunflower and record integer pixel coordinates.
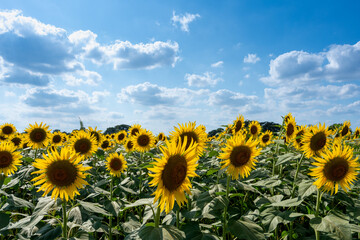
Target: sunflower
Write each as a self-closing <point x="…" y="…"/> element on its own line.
<point x="3" y="138"/>
<point x="143" y="140"/>
<point x="238" y="124"/>
<point x="116" y="164"/>
<point x="106" y="144"/>
<point x="120" y="137"/>
<point x="56" y="139"/>
<point x="84" y="143"/>
<point x="134" y="129"/>
<point x="266" y="138"/>
<point x="287" y="117"/>
<point x="315" y="140"/>
<point x="357" y="133"/>
<point x="334" y="168"/>
<point x="95" y="133"/>
<point x="161" y="137"/>
<point x="16" y="139"/>
<point x="7" y="129"/>
<point x="60" y="173"/>
<point x="254" y="128"/>
<point x="299" y="133"/>
<point x="129" y="145"/>
<point x="239" y="156"/>
<point x="9" y="158"/>
<point x="171" y="172"/>
<point x="193" y="133"/>
<point x="37" y="135"/>
<point x="290" y="127"/>
<point x="345" y="129"/>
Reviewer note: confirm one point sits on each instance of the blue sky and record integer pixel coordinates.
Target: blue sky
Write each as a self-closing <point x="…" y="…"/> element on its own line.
<point x="159" y="63"/>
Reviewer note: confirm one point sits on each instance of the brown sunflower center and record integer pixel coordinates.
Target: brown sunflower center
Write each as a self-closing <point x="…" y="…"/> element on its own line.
<point x="134" y="131"/>
<point x="5" y="159"/>
<point x="290" y="129"/>
<point x="345" y="130"/>
<point x="129" y="145"/>
<point x="174" y="172"/>
<point x="318" y="141"/>
<point x="298" y="136"/>
<point x="357" y="133"/>
<point x="116" y="164"/>
<point x="265" y="138"/>
<point x="56" y="139"/>
<point x="191" y="137"/>
<point x="161" y="136"/>
<point x="336" y="169"/>
<point x="238" y="126"/>
<point x="7" y="130"/>
<point x="105" y="144"/>
<point x="240" y="155"/>
<point x="38" y="135"/>
<point x="16" y="141"/>
<point x="96" y="135"/>
<point x="121" y="136"/>
<point x="253" y="130"/>
<point x="62" y="173"/>
<point x="143" y="140"/>
<point x="82" y="145"/>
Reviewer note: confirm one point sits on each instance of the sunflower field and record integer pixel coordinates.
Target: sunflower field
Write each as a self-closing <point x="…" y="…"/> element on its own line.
<point x="242" y="183"/>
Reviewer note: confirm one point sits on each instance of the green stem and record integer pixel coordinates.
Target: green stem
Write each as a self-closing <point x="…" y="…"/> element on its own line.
<point x="64" y="219"/>
<point x="35" y="154"/>
<point x="141" y="161"/>
<point x="177" y="218"/>
<point x="157" y="217"/>
<point x="110" y="217"/>
<point x="296" y="175"/>
<point x="318" y="200"/>
<point x="225" y="209"/>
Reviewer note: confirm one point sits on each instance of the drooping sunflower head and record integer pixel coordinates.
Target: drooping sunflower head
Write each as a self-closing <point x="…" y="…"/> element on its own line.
<point x="134" y="129"/>
<point x="129" y="145"/>
<point x="7" y="129"/>
<point x="161" y="137"/>
<point x="357" y="133"/>
<point x="192" y="133"/>
<point x="95" y="133"/>
<point x="290" y="127"/>
<point x="239" y="156"/>
<point x="106" y="144"/>
<point x="56" y="139"/>
<point x="315" y="140"/>
<point x="238" y="124"/>
<point x="61" y="173"/>
<point x="345" y="129"/>
<point x="288" y="117"/>
<point x="171" y="172"/>
<point x="266" y="138"/>
<point x="16" y="139"/>
<point x="298" y="136"/>
<point x="120" y="137"/>
<point x="254" y="128"/>
<point x="9" y="158"/>
<point x="83" y="143"/>
<point x="38" y="136"/>
<point x="116" y="164"/>
<point x="143" y="140"/>
<point x="335" y="167"/>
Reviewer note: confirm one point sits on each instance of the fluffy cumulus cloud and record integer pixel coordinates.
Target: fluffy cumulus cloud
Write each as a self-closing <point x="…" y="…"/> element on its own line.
<point x="224" y="97"/>
<point x="184" y="20"/>
<point x="207" y="79"/>
<point x="251" y="58"/>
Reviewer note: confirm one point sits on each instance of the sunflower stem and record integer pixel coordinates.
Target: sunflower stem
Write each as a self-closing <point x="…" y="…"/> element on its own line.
<point x="177" y="218"/>
<point x="64" y="219"/>
<point x="225" y="209"/>
<point x="157" y="216"/>
<point x="296" y="175"/>
<point x="110" y="217"/>
<point x="141" y="161"/>
<point x="318" y="200"/>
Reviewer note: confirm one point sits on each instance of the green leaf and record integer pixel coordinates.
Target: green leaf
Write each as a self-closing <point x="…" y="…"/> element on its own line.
<point x="292" y="202"/>
<point x="332" y="224"/>
<point x="268" y="183"/>
<point x="49" y="235"/>
<point x="213" y="153"/>
<point x="211" y="171"/>
<point x="93" y="207"/>
<point x="75" y="216"/>
<point x="246" y="229"/>
<point x="140" y="202"/>
<point x="4" y="220"/>
<point x="18" y="202"/>
<point x="193" y="232"/>
<point x="306" y="188"/>
<point x="43" y="206"/>
<point x="286" y="158"/>
<point x="9" y="183"/>
<point x="131" y="225"/>
<point x="113" y="207"/>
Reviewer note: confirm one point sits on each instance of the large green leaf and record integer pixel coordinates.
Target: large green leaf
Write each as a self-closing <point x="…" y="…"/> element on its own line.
<point x="19" y="202"/>
<point x="149" y="232"/>
<point x="306" y="188"/>
<point x="287" y="157"/>
<point x="49" y="233"/>
<point x="246" y="229"/>
<point x="332" y="224"/>
<point x="192" y="231"/>
<point x="292" y="202"/>
<point x="93" y="207"/>
<point x="140" y="202"/>
<point x="4" y="219"/>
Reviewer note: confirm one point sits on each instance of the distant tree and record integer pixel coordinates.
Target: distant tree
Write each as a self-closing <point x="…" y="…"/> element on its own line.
<point x="117" y="128"/>
<point x="81" y="125"/>
<point x="215" y="132"/>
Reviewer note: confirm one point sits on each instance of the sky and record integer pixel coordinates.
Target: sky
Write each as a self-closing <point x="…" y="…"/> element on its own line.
<point x="160" y="63"/>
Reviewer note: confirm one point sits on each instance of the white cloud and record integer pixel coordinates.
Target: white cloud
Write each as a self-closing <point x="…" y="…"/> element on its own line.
<point x="217" y="64"/>
<point x="226" y="97"/>
<point x="208" y="79"/>
<point x="184" y="20"/>
<point x="247" y="76"/>
<point x="9" y="94"/>
<point x="251" y="58"/>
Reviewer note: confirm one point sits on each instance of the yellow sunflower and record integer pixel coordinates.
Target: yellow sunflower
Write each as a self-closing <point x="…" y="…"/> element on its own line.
<point x="84" y="143"/>
<point x="134" y="129"/>
<point x="299" y="133"/>
<point x="16" y="139"/>
<point x="239" y="156"/>
<point x="60" y="173"/>
<point x="171" y="172"/>
<point x="106" y="144"/>
<point x="38" y="136"/>
<point x="254" y="129"/>
<point x="290" y="127"/>
<point x="193" y="133"/>
<point x="95" y="133"/>
<point x="334" y="168"/>
<point x="266" y="138"/>
<point x="238" y="124"/>
<point x="287" y="117"/>
<point x="120" y="137"/>
<point x="143" y="140"/>
<point x="129" y="145"/>
<point x="161" y="137"/>
<point x="345" y="129"/>
<point x="3" y="138"/>
<point x="116" y="164"/>
<point x="9" y="158"/>
<point x="56" y="139"/>
<point x="315" y="140"/>
<point x="7" y="129"/>
<point x="357" y="133"/>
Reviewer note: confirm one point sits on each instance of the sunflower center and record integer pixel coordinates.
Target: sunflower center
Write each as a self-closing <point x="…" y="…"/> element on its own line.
<point x="336" y="169"/>
<point x="143" y="140"/>
<point x="290" y="129"/>
<point x="116" y="164"/>
<point x="96" y="135"/>
<point x="62" y="173"/>
<point x="38" y="135"/>
<point x="174" y="172"/>
<point x="253" y="130"/>
<point x="265" y="138"/>
<point x="357" y="133"/>
<point x="5" y="159"/>
<point x="191" y="137"/>
<point x="129" y="145"/>
<point x="344" y="131"/>
<point x="121" y="136"/>
<point x="16" y="141"/>
<point x="56" y="139"/>
<point x="82" y="145"/>
<point x="105" y="144"/>
<point x="238" y="126"/>
<point x="134" y="131"/>
<point x="7" y="130"/>
<point x="240" y="155"/>
<point x="298" y="136"/>
<point x="318" y="141"/>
